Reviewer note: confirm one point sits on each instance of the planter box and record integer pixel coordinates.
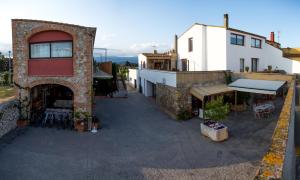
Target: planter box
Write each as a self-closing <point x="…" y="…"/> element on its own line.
<point x="214" y="134"/>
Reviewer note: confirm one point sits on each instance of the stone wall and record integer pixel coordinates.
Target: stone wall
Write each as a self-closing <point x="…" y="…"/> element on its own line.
<point x="279" y="161"/>
<point x="9" y="114"/>
<point x="81" y="81"/>
<point x="173" y="100"/>
<point x="177" y="100"/>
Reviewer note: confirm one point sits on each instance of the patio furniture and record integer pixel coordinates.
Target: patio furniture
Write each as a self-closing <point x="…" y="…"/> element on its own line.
<point x="58" y="117"/>
<point x="263" y="110"/>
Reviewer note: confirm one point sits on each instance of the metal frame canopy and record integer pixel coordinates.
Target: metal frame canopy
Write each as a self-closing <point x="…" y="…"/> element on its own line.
<point x="256" y="86"/>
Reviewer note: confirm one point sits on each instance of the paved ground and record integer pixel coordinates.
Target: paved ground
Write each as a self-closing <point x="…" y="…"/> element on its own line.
<point x="137" y="141"/>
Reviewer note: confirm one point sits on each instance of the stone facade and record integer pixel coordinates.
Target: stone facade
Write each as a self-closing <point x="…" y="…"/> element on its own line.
<point x="173" y="100"/>
<point x="9" y="115"/>
<point x="81" y="81"/>
<point x="177" y="100"/>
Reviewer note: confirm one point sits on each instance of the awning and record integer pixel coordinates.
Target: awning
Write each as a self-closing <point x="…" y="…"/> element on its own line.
<point x="256" y="86"/>
<point x="202" y="91"/>
<point x="102" y="75"/>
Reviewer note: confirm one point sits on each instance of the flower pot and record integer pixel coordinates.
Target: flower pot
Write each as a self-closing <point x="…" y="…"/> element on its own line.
<point x="215" y="131"/>
<point x="22" y="123"/>
<point x="80" y="126"/>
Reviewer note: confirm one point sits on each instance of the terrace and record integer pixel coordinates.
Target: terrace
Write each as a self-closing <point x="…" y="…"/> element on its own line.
<point x="138" y="141"/>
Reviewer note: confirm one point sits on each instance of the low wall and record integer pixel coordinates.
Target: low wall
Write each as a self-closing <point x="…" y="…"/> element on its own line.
<point x="279" y="161"/>
<point x="189" y="78"/>
<point x="264" y="76"/>
<point x="158" y="76"/>
<point x="9" y="115"/>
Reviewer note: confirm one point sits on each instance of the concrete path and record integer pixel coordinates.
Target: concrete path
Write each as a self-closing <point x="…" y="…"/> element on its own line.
<point x="137" y="141"/>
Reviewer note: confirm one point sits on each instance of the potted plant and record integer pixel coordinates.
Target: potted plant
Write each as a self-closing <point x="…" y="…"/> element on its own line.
<point x="215" y="111"/>
<point x="80" y="121"/>
<point x="96" y="123"/>
<point x="247" y="68"/>
<point x="269" y="68"/>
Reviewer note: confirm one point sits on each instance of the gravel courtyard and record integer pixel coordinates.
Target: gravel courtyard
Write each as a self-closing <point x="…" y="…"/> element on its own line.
<point x="138" y="141"/>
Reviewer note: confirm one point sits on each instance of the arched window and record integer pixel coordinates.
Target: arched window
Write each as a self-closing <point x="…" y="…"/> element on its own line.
<point x="51" y="44"/>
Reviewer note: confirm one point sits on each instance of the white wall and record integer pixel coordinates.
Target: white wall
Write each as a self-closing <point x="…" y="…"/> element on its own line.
<point x="273" y="57"/>
<point x="198" y="54"/>
<point x="235" y="52"/>
<point x="142" y="58"/>
<point x="209" y="48"/>
<point x="133" y="76"/>
<point x="155" y="76"/>
<point x="216" y="48"/>
<point x="267" y="55"/>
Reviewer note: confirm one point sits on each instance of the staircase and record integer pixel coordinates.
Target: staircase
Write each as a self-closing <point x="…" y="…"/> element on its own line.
<point x="122" y="90"/>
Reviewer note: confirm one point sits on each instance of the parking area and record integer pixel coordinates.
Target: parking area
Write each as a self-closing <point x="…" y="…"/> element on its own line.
<point x="138" y="141"/>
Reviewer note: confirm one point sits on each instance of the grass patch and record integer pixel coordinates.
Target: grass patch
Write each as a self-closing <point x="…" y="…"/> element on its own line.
<point x="6" y="92"/>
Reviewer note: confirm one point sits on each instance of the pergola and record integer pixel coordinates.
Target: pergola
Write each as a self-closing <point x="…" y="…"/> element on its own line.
<point x="256" y="86"/>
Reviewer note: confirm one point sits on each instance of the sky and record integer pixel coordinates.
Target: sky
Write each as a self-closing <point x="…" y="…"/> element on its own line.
<point x="129" y="27"/>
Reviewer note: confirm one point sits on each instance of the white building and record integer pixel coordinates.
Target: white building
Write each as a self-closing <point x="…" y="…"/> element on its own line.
<point x="206" y="48"/>
<point x="132" y="77"/>
<point x="212" y="48"/>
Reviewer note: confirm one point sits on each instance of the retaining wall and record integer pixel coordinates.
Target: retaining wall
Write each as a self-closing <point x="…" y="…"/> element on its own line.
<point x="9" y="114"/>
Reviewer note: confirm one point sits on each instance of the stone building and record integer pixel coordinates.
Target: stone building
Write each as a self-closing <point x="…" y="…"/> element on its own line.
<point x="53" y="64"/>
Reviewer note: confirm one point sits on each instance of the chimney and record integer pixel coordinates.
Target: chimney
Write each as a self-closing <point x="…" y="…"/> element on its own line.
<point x="272" y="37"/>
<point x="226" y="21"/>
<point x="155" y="51"/>
<point x="176" y="43"/>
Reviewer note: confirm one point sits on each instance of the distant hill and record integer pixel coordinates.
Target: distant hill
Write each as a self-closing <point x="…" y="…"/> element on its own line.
<point x="118" y="59"/>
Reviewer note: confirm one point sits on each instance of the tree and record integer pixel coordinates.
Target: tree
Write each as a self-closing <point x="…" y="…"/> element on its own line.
<point x="216" y="109"/>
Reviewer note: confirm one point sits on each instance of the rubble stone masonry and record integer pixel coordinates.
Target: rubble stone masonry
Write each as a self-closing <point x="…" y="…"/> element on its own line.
<point x="81" y="81"/>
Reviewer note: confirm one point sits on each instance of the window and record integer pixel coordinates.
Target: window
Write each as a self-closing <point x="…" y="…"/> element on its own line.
<point x="51" y="50"/>
<point x="254" y="64"/>
<point x="184" y="64"/>
<point x="190" y="44"/>
<point x="41" y="50"/>
<point x="256" y="43"/>
<point x="237" y="39"/>
<point x="61" y="49"/>
<point x="242" y="64"/>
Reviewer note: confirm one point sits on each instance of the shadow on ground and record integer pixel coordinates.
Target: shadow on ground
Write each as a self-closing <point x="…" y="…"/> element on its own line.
<point x="137" y="141"/>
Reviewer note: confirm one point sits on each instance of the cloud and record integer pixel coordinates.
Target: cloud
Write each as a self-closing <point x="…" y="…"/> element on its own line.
<point x="148" y="47"/>
<point x="107" y="37"/>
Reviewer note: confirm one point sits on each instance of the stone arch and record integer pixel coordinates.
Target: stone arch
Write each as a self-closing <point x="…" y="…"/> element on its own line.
<point x="62" y="28"/>
<point x="55" y="81"/>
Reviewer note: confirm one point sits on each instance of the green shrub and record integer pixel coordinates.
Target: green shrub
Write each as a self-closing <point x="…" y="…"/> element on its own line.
<point x="216" y="109"/>
<point x="5" y="76"/>
<point x="183" y="115"/>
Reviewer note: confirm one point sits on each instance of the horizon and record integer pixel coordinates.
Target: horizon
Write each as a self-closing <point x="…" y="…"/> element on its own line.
<point x="127" y="29"/>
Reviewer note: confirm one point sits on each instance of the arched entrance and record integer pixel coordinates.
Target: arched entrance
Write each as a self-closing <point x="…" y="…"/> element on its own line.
<point x="51" y="105"/>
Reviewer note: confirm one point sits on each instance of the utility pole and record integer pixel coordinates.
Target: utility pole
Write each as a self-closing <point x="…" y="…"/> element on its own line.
<point x="9" y="68"/>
